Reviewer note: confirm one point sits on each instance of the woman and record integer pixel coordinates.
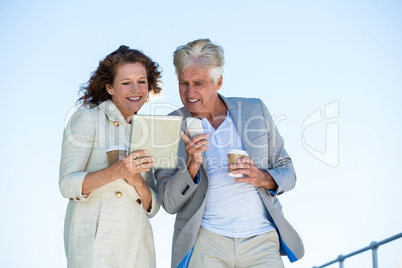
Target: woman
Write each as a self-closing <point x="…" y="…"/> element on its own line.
<point x="107" y="224"/>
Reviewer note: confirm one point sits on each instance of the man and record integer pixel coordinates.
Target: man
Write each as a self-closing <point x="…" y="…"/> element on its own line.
<point x="222" y="221"/>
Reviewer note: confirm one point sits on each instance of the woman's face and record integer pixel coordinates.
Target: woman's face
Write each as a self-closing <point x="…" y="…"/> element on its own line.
<point x="130" y="88"/>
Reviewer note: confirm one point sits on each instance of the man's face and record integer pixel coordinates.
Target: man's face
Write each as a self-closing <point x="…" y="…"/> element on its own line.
<point x="198" y="92"/>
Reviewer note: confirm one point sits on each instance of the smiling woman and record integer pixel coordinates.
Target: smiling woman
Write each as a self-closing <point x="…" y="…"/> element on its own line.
<point x="107" y="194"/>
<point x="129" y="90"/>
<point x="105" y="75"/>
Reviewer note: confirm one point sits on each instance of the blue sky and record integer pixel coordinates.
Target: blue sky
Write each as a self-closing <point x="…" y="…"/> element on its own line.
<point x="329" y="71"/>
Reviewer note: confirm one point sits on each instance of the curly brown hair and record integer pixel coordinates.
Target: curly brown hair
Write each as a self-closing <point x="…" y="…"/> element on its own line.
<point x="94" y="91"/>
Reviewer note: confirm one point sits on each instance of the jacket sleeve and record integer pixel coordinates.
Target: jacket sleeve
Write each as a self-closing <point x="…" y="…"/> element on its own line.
<point x="78" y="139"/>
<point x="155" y="205"/>
<point x="280" y="164"/>
<point x="175" y="186"/>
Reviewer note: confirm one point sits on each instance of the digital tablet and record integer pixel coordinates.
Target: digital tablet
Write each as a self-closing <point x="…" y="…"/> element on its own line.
<point x="159" y="135"/>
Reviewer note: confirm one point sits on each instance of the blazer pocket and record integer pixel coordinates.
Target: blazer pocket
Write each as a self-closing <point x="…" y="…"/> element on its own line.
<point x="258" y="141"/>
<point x="258" y="136"/>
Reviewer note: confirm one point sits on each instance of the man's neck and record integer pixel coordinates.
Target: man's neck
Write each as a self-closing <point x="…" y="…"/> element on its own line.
<point x="217" y="116"/>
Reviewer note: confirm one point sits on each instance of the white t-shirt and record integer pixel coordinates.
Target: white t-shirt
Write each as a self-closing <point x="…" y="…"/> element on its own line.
<point x="232" y="209"/>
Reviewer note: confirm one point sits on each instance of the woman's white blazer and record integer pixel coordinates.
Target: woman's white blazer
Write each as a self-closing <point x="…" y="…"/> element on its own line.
<point x="109" y="227"/>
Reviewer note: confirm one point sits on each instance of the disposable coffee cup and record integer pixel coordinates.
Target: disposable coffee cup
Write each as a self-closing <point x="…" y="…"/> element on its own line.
<point x="114" y="152"/>
<point x="233" y="156"/>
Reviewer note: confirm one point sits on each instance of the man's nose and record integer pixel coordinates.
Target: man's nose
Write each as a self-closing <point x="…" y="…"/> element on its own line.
<point x="190" y="89"/>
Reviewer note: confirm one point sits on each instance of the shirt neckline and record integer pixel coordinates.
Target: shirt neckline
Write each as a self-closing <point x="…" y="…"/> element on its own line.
<point x="207" y="125"/>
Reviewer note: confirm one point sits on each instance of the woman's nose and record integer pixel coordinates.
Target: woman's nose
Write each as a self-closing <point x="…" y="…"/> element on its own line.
<point x="135" y="87"/>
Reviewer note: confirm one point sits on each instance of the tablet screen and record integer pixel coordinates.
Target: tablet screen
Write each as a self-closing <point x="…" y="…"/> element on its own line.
<point x="159" y="135"/>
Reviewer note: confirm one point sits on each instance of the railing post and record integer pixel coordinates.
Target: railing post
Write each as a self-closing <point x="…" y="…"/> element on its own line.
<point x="374" y="246"/>
<point x="340" y="260"/>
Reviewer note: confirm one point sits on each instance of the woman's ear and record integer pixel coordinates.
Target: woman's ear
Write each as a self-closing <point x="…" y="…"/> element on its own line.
<point x="109" y="89"/>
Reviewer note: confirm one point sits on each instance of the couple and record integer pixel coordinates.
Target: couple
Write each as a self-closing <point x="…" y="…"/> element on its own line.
<point x="221" y="221"/>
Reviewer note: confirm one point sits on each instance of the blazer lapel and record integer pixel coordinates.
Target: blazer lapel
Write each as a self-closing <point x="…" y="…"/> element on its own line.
<point x="205" y="164"/>
<point x="239" y="120"/>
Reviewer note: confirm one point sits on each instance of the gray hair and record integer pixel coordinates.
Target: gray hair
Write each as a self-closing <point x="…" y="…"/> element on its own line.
<point x="204" y="54"/>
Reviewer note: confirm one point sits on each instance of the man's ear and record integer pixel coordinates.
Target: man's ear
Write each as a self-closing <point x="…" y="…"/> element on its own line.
<point x="219" y="83"/>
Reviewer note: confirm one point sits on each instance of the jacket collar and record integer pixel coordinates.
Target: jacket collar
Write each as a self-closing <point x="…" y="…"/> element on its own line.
<point x="111" y="111"/>
<point x="239" y="119"/>
<point x="230" y="104"/>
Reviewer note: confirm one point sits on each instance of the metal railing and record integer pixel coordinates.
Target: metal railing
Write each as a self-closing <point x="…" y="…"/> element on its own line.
<point x="373" y="246"/>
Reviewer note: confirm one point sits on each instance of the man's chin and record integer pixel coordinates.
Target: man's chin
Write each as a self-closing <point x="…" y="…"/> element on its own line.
<point x="193" y="112"/>
<point x="191" y="108"/>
